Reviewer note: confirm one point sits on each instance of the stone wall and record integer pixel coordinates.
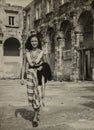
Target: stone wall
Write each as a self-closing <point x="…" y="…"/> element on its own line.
<point x="75" y="13"/>
<point x="10" y="66"/>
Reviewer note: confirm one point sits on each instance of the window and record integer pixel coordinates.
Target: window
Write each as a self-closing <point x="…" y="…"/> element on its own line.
<point x="48" y="6"/>
<point x="38" y="11"/>
<point x="11" y="20"/>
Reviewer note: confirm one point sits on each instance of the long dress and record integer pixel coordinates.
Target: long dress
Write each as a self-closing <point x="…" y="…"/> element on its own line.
<point x="32" y="79"/>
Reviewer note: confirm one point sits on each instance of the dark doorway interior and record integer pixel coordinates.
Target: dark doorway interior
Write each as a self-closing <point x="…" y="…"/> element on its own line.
<point x="86" y="28"/>
<point x="85" y="65"/>
<point x="12" y="47"/>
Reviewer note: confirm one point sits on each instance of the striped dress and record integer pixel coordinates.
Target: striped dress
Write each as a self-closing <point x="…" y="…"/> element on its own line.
<point x="32" y="82"/>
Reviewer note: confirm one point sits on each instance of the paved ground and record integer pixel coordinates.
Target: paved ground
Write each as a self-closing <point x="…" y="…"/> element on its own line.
<point x="69" y="106"/>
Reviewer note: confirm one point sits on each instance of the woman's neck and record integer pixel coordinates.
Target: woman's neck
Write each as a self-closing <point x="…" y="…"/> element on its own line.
<point x="34" y="49"/>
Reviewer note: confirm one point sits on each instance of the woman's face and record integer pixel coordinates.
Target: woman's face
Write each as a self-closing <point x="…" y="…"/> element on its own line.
<point x="34" y="42"/>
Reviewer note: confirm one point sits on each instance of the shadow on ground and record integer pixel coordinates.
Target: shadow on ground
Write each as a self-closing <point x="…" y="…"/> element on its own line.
<point x="24" y="113"/>
<point x="91" y="97"/>
<point x="89" y="104"/>
<point x="90" y="88"/>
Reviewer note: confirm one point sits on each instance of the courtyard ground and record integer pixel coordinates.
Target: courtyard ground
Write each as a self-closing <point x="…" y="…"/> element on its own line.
<point x="68" y="106"/>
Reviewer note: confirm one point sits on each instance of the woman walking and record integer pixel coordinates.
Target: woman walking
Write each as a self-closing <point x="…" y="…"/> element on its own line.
<point x="37" y="76"/>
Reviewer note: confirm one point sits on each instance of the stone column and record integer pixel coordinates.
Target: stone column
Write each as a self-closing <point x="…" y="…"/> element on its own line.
<point x="59" y="46"/>
<point x="76" y="56"/>
<point x="23" y="56"/>
<point x="1" y="61"/>
<point x="60" y="58"/>
<point x="93" y="73"/>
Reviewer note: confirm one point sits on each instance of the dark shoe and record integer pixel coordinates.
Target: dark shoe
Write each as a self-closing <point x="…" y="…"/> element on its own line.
<point x="35" y="124"/>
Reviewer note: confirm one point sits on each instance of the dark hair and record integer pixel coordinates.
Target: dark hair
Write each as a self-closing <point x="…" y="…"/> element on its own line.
<point x="28" y="45"/>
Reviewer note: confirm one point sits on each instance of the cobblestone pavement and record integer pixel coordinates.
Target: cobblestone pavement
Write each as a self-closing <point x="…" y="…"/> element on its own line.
<point x="68" y="106"/>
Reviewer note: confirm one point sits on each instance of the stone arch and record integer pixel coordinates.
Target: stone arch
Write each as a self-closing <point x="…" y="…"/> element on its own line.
<point x="14" y="36"/>
<point x="85" y="24"/>
<point x="65" y="28"/>
<point x="11" y="47"/>
<point x="85" y="39"/>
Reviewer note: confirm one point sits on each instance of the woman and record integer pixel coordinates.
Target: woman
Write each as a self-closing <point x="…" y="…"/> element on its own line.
<point x="36" y="76"/>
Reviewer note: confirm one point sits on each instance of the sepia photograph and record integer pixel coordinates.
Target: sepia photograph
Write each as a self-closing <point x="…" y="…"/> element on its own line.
<point x="46" y="64"/>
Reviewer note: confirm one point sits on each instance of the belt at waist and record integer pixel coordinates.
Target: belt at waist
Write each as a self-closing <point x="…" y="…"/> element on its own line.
<point x="34" y="67"/>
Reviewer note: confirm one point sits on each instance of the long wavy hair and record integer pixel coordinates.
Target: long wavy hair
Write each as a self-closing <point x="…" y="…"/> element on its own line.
<point x="28" y="45"/>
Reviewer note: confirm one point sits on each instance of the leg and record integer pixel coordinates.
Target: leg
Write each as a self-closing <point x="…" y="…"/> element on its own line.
<point x="35" y="119"/>
<point x="40" y="93"/>
<point x="43" y="90"/>
<point x="33" y="95"/>
<point x="43" y="87"/>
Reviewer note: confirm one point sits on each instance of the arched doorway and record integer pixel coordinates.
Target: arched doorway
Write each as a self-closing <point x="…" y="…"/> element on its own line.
<point x="11" y="47"/>
<point x="86" y="29"/>
<point x="12" y="58"/>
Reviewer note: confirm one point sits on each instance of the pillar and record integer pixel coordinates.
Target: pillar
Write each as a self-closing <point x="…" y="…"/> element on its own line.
<point x="23" y="57"/>
<point x="1" y="61"/>
<point x="60" y="58"/>
<point x="59" y="46"/>
<point x="76" y="56"/>
<point x="93" y="73"/>
<point x="92" y="64"/>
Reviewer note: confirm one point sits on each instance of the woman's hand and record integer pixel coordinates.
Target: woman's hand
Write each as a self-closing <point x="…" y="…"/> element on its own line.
<point x="40" y="68"/>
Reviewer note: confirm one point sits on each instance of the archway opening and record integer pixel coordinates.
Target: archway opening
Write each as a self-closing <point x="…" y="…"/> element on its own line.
<point x="11" y="47"/>
<point x="86" y="54"/>
<point x="66" y="32"/>
<point x="86" y="27"/>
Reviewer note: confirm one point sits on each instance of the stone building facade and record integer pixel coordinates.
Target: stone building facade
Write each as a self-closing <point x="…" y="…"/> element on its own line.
<point x="66" y="30"/>
<point x="29" y="16"/>
<point x="11" y="26"/>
